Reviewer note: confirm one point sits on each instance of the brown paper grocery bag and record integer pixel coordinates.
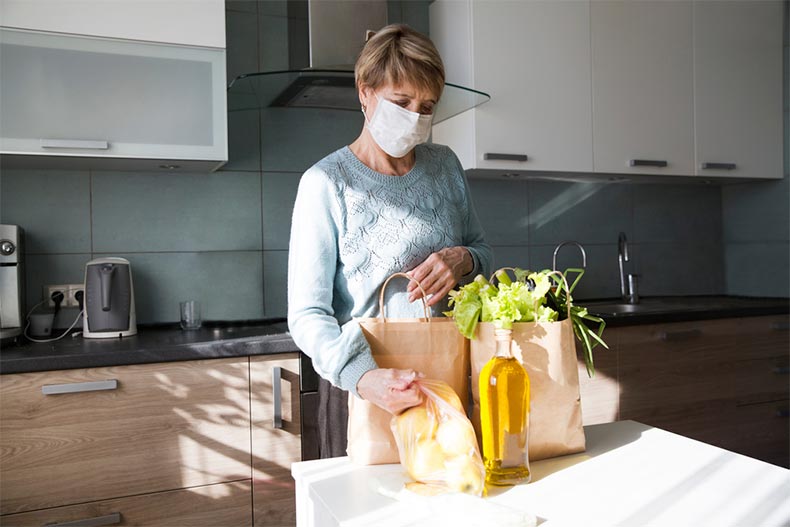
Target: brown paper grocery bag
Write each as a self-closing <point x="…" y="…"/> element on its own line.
<point x="432" y="346"/>
<point x="548" y="352"/>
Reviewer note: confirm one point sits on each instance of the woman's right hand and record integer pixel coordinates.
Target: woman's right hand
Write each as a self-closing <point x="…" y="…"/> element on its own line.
<point x="390" y="389"/>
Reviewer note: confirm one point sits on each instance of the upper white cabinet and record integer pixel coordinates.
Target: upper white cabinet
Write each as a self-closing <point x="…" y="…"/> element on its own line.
<point x="189" y="22"/>
<point x="637" y="87"/>
<point x="90" y="98"/>
<point x="643" y="106"/>
<point x="532" y="57"/>
<point x="738" y="88"/>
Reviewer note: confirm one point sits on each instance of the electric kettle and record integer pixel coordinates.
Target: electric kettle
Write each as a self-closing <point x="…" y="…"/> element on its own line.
<point x="109" y="299"/>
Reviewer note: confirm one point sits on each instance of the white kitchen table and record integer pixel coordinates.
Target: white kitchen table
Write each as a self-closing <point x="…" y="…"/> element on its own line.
<point x="630" y="475"/>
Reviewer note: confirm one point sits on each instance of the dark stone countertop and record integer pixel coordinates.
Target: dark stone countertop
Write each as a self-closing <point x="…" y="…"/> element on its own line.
<point x="153" y="343"/>
<point x="167" y="342"/>
<point x="668" y="309"/>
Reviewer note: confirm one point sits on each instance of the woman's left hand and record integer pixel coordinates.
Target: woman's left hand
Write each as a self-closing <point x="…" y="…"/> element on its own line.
<point x="439" y="273"/>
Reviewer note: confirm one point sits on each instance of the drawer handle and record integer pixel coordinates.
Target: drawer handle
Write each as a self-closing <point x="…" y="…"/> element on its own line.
<point x="783" y="412"/>
<point x="74" y="143"/>
<point x="718" y="166"/>
<point x="493" y="156"/>
<point x="98" y="521"/>
<point x="647" y="163"/>
<point x="781" y="370"/>
<point x="780" y="326"/>
<point x="78" y="387"/>
<point x="277" y="420"/>
<point x="676" y="336"/>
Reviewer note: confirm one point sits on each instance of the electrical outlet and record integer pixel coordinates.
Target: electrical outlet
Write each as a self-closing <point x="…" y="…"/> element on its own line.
<point x="68" y="290"/>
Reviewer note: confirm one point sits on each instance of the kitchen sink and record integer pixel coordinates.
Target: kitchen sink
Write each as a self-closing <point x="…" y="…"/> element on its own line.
<point x="658" y="305"/>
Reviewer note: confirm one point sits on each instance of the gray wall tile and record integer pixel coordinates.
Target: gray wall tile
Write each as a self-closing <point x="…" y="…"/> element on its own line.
<point x="294" y="140"/>
<point x="51" y="269"/>
<point x="502" y="209"/>
<point x="228" y="285"/>
<point x="681" y="269"/>
<point x="241" y="40"/>
<point x="272" y="42"/>
<point x="275" y="286"/>
<point x="240" y="6"/>
<point x="52" y="206"/>
<point x="279" y="193"/>
<point x="244" y="140"/>
<point x="676" y="213"/>
<point x="145" y="212"/>
<point x="586" y="212"/>
<point x="758" y="269"/>
<point x="510" y="256"/>
<point x="273" y="7"/>
<point x="758" y="211"/>
<point x="601" y="277"/>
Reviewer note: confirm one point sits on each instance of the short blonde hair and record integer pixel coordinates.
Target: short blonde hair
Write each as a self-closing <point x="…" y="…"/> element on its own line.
<point x="398" y="54"/>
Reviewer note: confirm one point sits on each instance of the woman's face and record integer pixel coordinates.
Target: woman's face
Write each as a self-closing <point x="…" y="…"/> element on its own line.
<point x="405" y="95"/>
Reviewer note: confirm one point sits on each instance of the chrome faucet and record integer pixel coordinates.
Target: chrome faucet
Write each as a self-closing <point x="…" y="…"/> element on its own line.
<point x="569" y="242"/>
<point x="627" y="286"/>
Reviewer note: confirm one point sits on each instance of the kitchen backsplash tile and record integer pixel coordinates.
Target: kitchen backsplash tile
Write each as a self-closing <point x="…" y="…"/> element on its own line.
<point x="53" y="206"/>
<point x="228" y="285"/>
<point x="244" y="140"/>
<point x="600" y="280"/>
<point x="275" y="283"/>
<point x="510" y="256"/>
<point x="680" y="269"/>
<point x="152" y="212"/>
<point x="587" y="212"/>
<point x="491" y="198"/>
<point x="676" y="213"/>
<point x="294" y="140"/>
<point x="757" y="211"/>
<point x="241" y="36"/>
<point x="272" y="42"/>
<point x="279" y="193"/>
<point x="50" y="269"/>
<point x="758" y="269"/>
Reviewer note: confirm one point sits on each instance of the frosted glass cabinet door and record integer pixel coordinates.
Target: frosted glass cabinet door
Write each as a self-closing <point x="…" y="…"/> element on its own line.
<point x="738" y="88"/>
<point x="83" y="96"/>
<point x="642" y="69"/>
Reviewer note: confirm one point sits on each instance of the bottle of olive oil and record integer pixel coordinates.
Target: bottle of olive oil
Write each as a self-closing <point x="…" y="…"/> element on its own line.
<point x="504" y="415"/>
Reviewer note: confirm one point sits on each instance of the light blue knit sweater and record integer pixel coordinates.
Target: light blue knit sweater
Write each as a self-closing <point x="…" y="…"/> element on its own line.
<point x="354" y="227"/>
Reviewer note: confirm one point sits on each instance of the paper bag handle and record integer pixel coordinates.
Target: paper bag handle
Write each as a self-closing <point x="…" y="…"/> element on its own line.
<point x="384" y="287"/>
<point x="558" y="273"/>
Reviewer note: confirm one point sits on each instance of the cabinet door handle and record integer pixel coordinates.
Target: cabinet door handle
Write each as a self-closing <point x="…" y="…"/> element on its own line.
<point x="277" y="400"/>
<point x="77" y="387"/>
<point x="680" y="335"/>
<point x="781" y="370"/>
<point x="493" y="156"/>
<point x="718" y="166"/>
<point x="647" y="163"/>
<point x="780" y="326"/>
<point x="74" y="143"/>
<point x="98" y="521"/>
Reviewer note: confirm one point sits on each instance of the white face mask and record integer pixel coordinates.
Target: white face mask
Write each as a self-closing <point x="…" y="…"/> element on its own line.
<point x="397" y="130"/>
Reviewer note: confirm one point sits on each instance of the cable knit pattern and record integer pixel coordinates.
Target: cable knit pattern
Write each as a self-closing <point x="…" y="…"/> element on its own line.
<point x="354" y="227"/>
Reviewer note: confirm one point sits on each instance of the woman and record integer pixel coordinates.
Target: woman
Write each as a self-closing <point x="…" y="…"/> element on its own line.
<point x="386" y="203"/>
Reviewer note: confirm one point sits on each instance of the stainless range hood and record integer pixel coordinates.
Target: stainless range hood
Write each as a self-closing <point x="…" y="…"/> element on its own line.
<point x="336" y="30"/>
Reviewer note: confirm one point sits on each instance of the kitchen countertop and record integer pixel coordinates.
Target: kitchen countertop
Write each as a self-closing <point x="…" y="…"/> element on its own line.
<point x="167" y="342"/>
<point x="631" y="475"/>
<point x="155" y="343"/>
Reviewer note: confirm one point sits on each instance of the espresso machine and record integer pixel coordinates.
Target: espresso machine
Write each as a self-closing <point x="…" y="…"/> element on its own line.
<point x="12" y="281"/>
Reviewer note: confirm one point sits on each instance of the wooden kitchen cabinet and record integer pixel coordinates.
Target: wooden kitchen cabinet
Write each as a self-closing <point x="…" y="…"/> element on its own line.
<point x="110" y="103"/>
<point x="532" y="57"/>
<point x="225" y="504"/>
<point x="642" y="92"/>
<point x="276" y="437"/>
<point x="738" y="88"/>
<point x="724" y="382"/>
<point x="600" y="394"/>
<point x="141" y="429"/>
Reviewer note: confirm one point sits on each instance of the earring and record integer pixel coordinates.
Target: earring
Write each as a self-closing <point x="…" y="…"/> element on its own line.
<point x="364" y="108"/>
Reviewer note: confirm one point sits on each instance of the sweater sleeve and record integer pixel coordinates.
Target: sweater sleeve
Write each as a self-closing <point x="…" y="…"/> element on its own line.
<point x="339" y="353"/>
<point x="474" y="237"/>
